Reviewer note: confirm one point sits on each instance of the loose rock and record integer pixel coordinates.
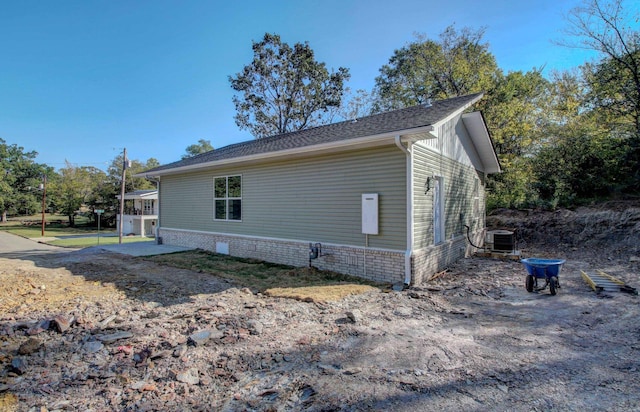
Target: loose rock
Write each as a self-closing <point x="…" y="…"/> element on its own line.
<point x="354" y="315"/>
<point x="61" y="323"/>
<point x="190" y="376"/>
<point x="18" y="365"/>
<point x="201" y="337"/>
<point x="30" y="346"/>
<point x="39" y="328"/>
<point x="112" y="337"/>
<point x="403" y="311"/>
<point x="93" y="346"/>
<point x="255" y="327"/>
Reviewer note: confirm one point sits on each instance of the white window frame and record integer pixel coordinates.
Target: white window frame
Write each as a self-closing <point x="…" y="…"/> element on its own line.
<point x="227" y="198"/>
<point x="148" y="206"/>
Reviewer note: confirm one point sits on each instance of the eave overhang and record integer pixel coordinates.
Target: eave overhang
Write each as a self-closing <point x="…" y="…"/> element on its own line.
<point x="137" y="196"/>
<point x="474" y="122"/>
<point x="408" y="135"/>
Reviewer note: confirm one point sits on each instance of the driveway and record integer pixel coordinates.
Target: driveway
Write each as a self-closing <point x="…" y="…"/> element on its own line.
<point x="16" y="247"/>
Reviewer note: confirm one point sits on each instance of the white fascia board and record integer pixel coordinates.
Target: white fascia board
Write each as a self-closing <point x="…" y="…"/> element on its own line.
<point x="149" y="194"/>
<point x="130" y="196"/>
<point x="439" y="123"/>
<point x="360" y="142"/>
<point x="482" y="141"/>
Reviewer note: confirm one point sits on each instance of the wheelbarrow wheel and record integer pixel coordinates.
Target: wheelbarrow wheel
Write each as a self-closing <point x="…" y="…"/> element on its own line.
<point x="529" y="283"/>
<point x="553" y="285"/>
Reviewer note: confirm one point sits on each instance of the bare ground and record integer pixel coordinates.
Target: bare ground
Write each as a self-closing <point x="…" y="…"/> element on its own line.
<point x="103" y="332"/>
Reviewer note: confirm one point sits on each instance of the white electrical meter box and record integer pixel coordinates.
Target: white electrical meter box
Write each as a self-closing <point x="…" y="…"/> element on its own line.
<point x="370" y="213"/>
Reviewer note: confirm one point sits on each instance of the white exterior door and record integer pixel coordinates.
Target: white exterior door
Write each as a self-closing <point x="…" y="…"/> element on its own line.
<point x="127" y="227"/>
<point x="438" y="211"/>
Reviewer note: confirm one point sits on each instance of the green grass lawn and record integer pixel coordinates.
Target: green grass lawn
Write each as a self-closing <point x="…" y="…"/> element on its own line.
<point x="81" y="242"/>
<point x="36" y="231"/>
<point x="48" y="217"/>
<point x="56" y="225"/>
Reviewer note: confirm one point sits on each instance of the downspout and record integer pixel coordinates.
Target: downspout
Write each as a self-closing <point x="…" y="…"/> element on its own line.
<point x="156" y="180"/>
<point x="409" y="251"/>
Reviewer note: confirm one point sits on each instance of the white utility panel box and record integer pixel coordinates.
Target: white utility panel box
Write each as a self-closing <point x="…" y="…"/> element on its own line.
<point x="370" y="213"/>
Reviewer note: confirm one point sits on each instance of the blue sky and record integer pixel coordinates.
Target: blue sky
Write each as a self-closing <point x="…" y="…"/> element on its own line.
<point x="80" y="80"/>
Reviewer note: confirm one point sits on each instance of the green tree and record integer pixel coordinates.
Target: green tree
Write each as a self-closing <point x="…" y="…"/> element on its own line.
<point x="613" y="82"/>
<point x="284" y="89"/>
<point x="457" y="64"/>
<point x="582" y="165"/>
<point x="97" y="198"/>
<point x="72" y="188"/>
<point x="203" y="146"/>
<point x="114" y="174"/>
<point x="460" y="63"/>
<point x="567" y="98"/>
<point x="20" y="177"/>
<point x="355" y="105"/>
<point x="582" y="157"/>
<point x="607" y="28"/>
<point x="513" y="109"/>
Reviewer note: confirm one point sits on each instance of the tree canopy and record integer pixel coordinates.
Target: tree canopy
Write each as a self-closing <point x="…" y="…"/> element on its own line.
<point x="284" y="89"/>
<point x="20" y="177"/>
<point x="203" y="146"/>
<point x="611" y="103"/>
<point x="457" y="64"/>
<point x="460" y="63"/>
<point x="72" y="188"/>
<point x="614" y="81"/>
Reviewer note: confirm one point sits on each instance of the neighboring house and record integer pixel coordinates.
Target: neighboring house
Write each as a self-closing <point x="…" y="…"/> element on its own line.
<point x="387" y="196"/>
<point x="140" y="213"/>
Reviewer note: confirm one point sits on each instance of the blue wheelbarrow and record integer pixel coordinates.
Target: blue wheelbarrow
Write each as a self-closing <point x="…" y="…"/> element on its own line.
<point x="547" y="269"/>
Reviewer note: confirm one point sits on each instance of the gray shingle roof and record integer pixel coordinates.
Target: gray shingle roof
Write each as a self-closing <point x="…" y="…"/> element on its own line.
<point x="402" y="119"/>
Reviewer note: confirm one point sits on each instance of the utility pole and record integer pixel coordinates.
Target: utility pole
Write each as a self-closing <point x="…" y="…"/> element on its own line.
<point x="124" y="171"/>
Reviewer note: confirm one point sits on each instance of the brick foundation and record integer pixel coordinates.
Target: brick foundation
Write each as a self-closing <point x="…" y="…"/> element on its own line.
<point x="374" y="264"/>
<point x="425" y="262"/>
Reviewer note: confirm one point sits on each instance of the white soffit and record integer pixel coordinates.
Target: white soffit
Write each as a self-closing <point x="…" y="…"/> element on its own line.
<point x="414" y="134"/>
<point x="480" y="137"/>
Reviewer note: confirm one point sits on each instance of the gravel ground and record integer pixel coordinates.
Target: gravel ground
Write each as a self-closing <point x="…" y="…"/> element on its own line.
<point x="106" y="332"/>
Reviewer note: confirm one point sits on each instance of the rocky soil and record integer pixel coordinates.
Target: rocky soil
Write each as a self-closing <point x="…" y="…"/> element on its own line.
<point x="90" y="331"/>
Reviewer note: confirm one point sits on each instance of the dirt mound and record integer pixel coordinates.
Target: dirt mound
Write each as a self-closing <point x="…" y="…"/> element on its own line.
<point x="611" y="228"/>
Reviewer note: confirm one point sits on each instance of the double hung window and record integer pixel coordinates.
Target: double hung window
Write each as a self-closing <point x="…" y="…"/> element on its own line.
<point x="147" y="207"/>
<point x="227" y="193"/>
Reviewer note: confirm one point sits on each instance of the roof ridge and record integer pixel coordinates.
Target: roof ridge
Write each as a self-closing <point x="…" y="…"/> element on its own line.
<point x="370" y="125"/>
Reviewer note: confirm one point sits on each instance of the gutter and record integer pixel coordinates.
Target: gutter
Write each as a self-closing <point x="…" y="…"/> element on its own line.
<point x="409" y="251"/>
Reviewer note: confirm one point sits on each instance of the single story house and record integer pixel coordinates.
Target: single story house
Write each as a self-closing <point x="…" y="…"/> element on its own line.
<point x="386" y="197"/>
<point x="140" y="215"/>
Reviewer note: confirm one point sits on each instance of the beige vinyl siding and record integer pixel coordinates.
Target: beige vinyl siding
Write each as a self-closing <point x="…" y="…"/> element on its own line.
<point x="459" y="190"/>
<point x="316" y="199"/>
